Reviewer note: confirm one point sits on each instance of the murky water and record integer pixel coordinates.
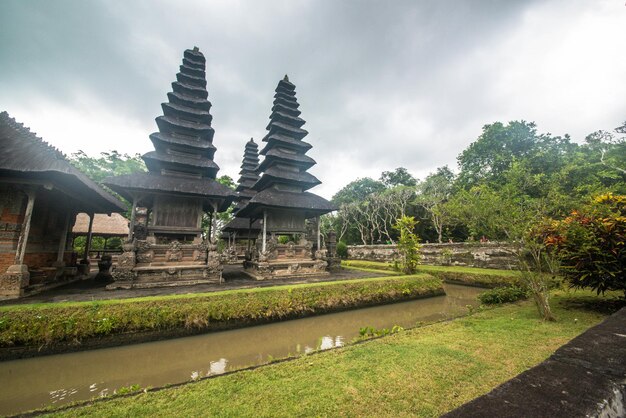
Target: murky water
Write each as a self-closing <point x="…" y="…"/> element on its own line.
<point x="37" y="382"/>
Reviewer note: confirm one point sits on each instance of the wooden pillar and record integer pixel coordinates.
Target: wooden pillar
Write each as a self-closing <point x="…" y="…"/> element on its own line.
<point x="249" y="233"/>
<point x="63" y="238"/>
<point x="23" y="240"/>
<point x="210" y="226"/>
<point x="319" y="243"/>
<point x="264" y="231"/>
<point x="214" y="221"/>
<point x="89" y="236"/>
<point x="133" y="214"/>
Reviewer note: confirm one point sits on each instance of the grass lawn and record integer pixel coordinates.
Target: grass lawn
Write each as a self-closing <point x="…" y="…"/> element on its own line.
<point x="457" y="274"/>
<point x="420" y="372"/>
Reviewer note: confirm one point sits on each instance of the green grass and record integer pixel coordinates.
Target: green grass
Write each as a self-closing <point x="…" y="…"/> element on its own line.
<point x="457" y="274"/>
<point x="36" y="324"/>
<point x="420" y="372"/>
<point x="370" y="270"/>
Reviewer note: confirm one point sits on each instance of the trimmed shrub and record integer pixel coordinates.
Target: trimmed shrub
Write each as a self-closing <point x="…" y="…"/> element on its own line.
<point x="342" y="250"/>
<point x="35" y="325"/>
<point x="503" y="295"/>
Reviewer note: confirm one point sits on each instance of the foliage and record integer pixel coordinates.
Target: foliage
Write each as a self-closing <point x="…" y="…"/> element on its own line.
<point x="499" y="146"/>
<point x="408" y="244"/>
<point x="222" y="218"/>
<point x="399" y="177"/>
<point x="284" y="239"/>
<point x="227" y="181"/>
<point x="32" y="325"/>
<point x="97" y="243"/>
<point x="433" y="193"/>
<point x="110" y="163"/>
<point x="424" y="372"/>
<point x="591" y="244"/>
<point x="357" y="190"/>
<point x="501" y="295"/>
<point x="342" y="250"/>
<point x="371" y="332"/>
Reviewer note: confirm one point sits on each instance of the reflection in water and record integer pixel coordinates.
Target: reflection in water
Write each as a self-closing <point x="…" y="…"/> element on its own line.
<point x="37" y="382"/>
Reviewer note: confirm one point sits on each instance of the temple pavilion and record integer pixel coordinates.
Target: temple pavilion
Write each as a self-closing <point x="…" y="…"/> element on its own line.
<point x="40" y="196"/>
<point x="239" y="232"/>
<point x="179" y="192"/>
<point x="281" y="200"/>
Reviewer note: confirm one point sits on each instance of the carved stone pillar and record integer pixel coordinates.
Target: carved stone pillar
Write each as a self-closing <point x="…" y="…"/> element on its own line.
<point x="17" y="278"/>
<point x="123" y="274"/>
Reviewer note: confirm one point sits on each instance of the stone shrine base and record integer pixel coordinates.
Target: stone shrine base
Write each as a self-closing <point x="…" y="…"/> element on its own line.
<point x="165" y="276"/>
<point x="284" y="269"/>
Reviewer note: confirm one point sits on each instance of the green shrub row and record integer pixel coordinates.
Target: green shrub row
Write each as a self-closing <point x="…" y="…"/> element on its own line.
<point x="503" y="295"/>
<point x="463" y="275"/>
<point x="50" y="323"/>
<point x="368" y="265"/>
<point x="477" y="279"/>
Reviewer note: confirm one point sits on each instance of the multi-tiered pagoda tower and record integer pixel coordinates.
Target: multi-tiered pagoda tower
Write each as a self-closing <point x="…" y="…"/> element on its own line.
<point x="281" y="201"/>
<point x="178" y="191"/>
<point x="239" y="231"/>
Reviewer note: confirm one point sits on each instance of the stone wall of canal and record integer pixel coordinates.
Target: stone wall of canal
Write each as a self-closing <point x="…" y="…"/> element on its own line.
<point x="495" y="255"/>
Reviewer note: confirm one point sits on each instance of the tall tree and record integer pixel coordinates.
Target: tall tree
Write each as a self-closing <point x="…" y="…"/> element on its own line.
<point x="399" y="177"/>
<point x="110" y="163"/>
<point x="499" y="146"/>
<point x="357" y="190"/>
<point x="433" y="193"/>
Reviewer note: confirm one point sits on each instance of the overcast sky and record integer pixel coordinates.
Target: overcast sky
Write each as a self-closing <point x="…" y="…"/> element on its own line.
<point x="381" y="84"/>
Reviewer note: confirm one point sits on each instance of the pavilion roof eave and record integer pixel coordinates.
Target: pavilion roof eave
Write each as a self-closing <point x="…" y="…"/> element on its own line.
<point x="130" y="185"/>
<point x="306" y="202"/>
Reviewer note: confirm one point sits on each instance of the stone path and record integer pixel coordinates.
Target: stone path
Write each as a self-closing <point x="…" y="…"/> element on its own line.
<point x="234" y="278"/>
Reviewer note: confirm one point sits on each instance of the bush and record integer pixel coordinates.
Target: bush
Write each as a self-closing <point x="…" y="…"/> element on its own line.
<point x="503" y="295"/>
<point x="408" y="244"/>
<point x="591" y="244"/>
<point x="342" y="250"/>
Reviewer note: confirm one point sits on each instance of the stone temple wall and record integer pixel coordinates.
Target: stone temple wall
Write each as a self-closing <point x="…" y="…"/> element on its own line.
<point x="496" y="255"/>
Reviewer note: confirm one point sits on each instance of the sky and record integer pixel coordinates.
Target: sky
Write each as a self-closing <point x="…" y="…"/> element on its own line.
<point x="381" y="84"/>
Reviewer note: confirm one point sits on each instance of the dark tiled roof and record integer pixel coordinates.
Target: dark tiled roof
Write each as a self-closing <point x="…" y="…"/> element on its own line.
<point x="24" y="154"/>
<point x="242" y="225"/>
<point x="277" y="155"/>
<point x="206" y="188"/>
<point x="284" y="141"/>
<point x="274" y="175"/>
<point x="309" y="203"/>
<point x="186" y="124"/>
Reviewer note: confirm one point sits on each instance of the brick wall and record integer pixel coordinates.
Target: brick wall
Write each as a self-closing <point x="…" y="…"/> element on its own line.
<point x="47" y="224"/>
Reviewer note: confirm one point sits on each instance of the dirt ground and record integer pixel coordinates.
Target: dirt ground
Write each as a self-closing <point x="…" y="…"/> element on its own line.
<point x="233" y="276"/>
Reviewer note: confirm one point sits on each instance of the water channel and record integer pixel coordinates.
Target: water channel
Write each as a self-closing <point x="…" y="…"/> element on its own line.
<point x="58" y="379"/>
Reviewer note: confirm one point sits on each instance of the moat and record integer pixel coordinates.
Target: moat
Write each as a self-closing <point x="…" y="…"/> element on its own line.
<point x="58" y="379"/>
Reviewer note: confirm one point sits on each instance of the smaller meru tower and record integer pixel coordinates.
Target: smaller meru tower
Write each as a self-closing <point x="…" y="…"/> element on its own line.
<point x="179" y="190"/>
<point x="239" y="232"/>
<point x="281" y="201"/>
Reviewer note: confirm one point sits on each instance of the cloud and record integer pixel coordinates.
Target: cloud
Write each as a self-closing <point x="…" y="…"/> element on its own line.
<point x="381" y="84"/>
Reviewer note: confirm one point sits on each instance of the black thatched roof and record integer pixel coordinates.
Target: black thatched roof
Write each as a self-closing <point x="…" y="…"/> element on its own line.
<point x="143" y="182"/>
<point x="249" y="174"/>
<point x="242" y="225"/>
<point x="285" y="163"/>
<point x="24" y="155"/>
<point x="309" y="203"/>
<point x="184" y="142"/>
<point x="273" y="175"/>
